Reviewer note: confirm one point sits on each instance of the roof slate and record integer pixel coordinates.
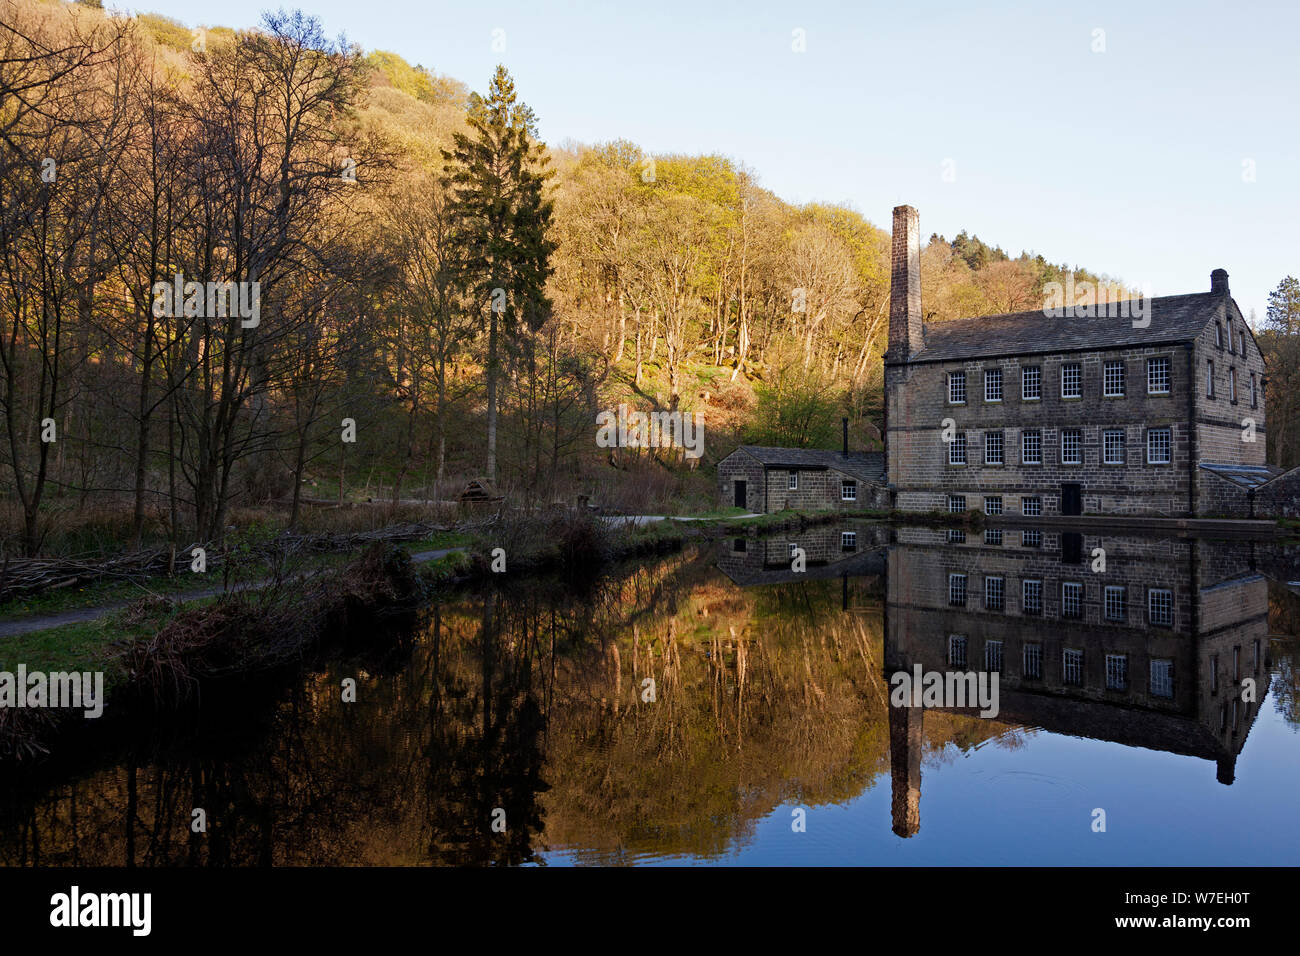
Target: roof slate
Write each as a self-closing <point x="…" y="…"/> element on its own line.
<point x="1173" y="318"/>
<point x="867" y="465"/>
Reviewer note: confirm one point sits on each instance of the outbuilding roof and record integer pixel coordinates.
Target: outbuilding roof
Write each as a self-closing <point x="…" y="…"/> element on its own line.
<point x="867" y="465"/>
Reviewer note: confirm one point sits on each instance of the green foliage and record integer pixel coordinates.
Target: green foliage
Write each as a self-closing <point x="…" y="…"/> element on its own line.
<point x="417" y="81"/>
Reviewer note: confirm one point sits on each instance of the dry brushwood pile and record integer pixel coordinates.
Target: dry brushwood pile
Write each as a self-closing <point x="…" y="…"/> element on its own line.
<point x="250" y="631"/>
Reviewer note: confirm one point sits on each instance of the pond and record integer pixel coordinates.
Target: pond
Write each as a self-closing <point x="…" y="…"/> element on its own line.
<point x="723" y="706"/>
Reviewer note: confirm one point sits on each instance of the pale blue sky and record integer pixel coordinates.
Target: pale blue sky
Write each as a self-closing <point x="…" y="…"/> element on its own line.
<point x="1128" y="161"/>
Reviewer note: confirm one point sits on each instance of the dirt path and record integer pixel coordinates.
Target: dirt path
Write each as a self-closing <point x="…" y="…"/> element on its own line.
<point x="43" y="622"/>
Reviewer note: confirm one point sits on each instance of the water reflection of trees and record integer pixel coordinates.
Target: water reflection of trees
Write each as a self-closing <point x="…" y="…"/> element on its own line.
<point x="527" y="699"/>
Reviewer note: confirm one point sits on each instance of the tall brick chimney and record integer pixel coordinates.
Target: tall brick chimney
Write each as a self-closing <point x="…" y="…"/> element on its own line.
<point x="1218" y="283"/>
<point x="906" y="333"/>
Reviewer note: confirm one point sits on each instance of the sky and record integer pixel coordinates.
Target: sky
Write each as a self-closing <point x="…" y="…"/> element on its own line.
<point x="1149" y="142"/>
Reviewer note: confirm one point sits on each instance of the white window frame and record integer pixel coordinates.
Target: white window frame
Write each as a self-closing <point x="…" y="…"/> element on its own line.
<point x="956" y="584"/>
<point x="956" y="504"/>
<point x="1072" y="664"/>
<point x="992" y="383"/>
<point x="1035" y="393"/>
<point x="955" y="642"/>
<point x="1073" y="433"/>
<point x="993" y="656"/>
<point x="998" y="584"/>
<point x="1209" y="378"/>
<point x="1076" y="372"/>
<point x="1168" y="445"/>
<point x="1113" y="365"/>
<point x="1164" y="599"/>
<point x="1031" y="606"/>
<point x="1232" y="383"/>
<point x="1162" y="363"/>
<point x="793" y="484"/>
<point x="848" y="540"/>
<point x="848" y="489"/>
<point x="1121" y="595"/>
<point x="1031" y="506"/>
<point x="1025" y="435"/>
<point x="1117" y="672"/>
<point x="1162" y="677"/>
<point x="1031" y="660"/>
<point x="1072" y="594"/>
<point x="1000" y="459"/>
<point x="1025" y="538"/>
<point x="1106" y="447"/>
<point x="993" y="504"/>
<point x="956" y="383"/>
<point x="957" y="449"/>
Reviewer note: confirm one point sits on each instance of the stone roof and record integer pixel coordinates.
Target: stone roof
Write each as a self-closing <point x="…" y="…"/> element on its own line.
<point x="1173" y="318"/>
<point x="867" y="465"/>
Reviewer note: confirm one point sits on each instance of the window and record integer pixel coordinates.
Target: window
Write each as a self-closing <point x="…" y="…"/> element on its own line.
<point x="1236" y="713"/>
<point x="957" y="651"/>
<point x="848" y="490"/>
<point x="1218" y="334"/>
<point x="1033" y="660"/>
<point x="1115" y="605"/>
<point x="1031" y="597"/>
<point x="1031" y="447"/>
<point x="794" y="550"/>
<point x="956" y="536"/>
<point x="1031" y="383"/>
<point x="995" y="594"/>
<point x="1112" y="446"/>
<point x="1071" y="446"/>
<point x="1158" y="376"/>
<point x="956" y="504"/>
<point x="1072" y="380"/>
<point x="957" y="590"/>
<point x="1073" y="666"/>
<point x="1241" y="342"/>
<point x="848" y="541"/>
<point x="1209" y="378"/>
<point x="1071" y="599"/>
<point x="993" y="655"/>
<point x="957" y="450"/>
<point x="1159" y="442"/>
<point x="1160" y="607"/>
<point x="1236" y="665"/>
<point x="1162" y="678"/>
<point x="1254" y="661"/>
<point x="1229" y="337"/>
<point x="957" y="388"/>
<point x="1214" y="673"/>
<point x="1117" y="672"/>
<point x="739" y="545"/>
<point x="1232" y="385"/>
<point x="1031" y="506"/>
<point x="794" y="481"/>
<point x="1113" y="380"/>
<point x="992" y="448"/>
<point x="993" y="536"/>
<point x="993" y="504"/>
<point x="1254" y="400"/>
<point x="1031" y="539"/>
<point x="993" y="385"/>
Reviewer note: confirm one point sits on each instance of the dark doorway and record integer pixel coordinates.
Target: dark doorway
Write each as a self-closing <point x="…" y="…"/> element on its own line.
<point x="1071" y="547"/>
<point x="1071" y="499"/>
<point x="740" y="495"/>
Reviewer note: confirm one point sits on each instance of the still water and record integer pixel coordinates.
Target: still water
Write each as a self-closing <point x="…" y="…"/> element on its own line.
<point x="716" y="707"/>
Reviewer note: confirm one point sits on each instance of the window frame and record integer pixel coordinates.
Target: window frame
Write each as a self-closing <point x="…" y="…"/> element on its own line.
<point x="847" y="485"/>
<point x="957" y="442"/>
<point x="954" y="378"/>
<point x="1107" y="366"/>
<point x="1001" y="447"/>
<point x="1077" y="369"/>
<point x="1107" y="591"/>
<point x="1073" y="433"/>
<point x="992" y="376"/>
<point x="1155" y="362"/>
<point x="1038" y="383"/>
<point x="1169" y="444"/>
<point x="1106" y="434"/>
<point x="793" y="483"/>
<point x="1037" y="435"/>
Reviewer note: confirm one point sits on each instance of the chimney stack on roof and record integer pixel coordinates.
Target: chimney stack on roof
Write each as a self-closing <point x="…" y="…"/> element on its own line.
<point x="1219" y="281"/>
<point x="906" y="329"/>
